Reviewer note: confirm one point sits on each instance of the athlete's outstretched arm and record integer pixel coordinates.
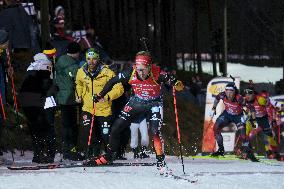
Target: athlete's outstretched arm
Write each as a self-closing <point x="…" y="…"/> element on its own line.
<point x="122" y="77"/>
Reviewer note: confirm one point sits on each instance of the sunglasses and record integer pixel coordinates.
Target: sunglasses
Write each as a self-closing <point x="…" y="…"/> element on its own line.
<point x="248" y="91"/>
<point x="92" y="59"/>
<point x="230" y="91"/>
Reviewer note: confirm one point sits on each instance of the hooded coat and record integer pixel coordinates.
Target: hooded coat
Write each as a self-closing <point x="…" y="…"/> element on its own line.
<point x="37" y="83"/>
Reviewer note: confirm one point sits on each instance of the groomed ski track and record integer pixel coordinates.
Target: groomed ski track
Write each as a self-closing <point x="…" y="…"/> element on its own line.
<point x="210" y="173"/>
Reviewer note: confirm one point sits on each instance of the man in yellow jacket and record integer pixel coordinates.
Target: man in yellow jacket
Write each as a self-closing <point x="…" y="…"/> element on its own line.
<point x="90" y="81"/>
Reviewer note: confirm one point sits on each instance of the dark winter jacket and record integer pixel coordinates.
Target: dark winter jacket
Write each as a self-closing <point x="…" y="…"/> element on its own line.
<point x="35" y="88"/>
<point x="66" y="69"/>
<point x="21" y="28"/>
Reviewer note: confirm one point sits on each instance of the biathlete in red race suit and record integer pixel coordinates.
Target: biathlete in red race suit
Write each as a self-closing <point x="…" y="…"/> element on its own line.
<point x="260" y="118"/>
<point x="233" y="113"/>
<point x="145" y="80"/>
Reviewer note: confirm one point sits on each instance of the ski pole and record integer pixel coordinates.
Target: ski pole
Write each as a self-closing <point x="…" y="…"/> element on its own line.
<point x="14" y="93"/>
<point x="12" y="81"/>
<point x="91" y="131"/>
<point x="2" y="107"/>
<point x="279" y="133"/>
<point x="178" y="129"/>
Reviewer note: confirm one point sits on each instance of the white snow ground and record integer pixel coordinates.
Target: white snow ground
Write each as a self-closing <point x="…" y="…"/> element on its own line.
<point x="257" y="74"/>
<point x="211" y="174"/>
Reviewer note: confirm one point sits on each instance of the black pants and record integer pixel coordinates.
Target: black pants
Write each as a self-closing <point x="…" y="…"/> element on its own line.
<point x="131" y="111"/>
<point x="41" y="126"/>
<point x="100" y="133"/>
<point x="117" y="106"/>
<point x="223" y="121"/>
<point x="69" y="127"/>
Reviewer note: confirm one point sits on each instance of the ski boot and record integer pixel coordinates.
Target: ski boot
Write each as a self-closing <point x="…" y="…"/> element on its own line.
<point x="120" y="156"/>
<point x="135" y="152"/>
<point x="105" y="159"/>
<point x="49" y="158"/>
<point x="143" y="153"/>
<point x="73" y="155"/>
<point x="220" y="152"/>
<point x="269" y="154"/>
<point x="37" y="159"/>
<point x="162" y="166"/>
<point x="277" y="156"/>
<point x="248" y="153"/>
<point x="273" y="155"/>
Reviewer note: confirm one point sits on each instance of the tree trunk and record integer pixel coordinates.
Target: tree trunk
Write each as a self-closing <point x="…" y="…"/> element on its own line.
<point x="225" y="45"/>
<point x="168" y="57"/>
<point x="77" y="16"/>
<point x="213" y="58"/>
<point x="44" y="22"/>
<point x="86" y="8"/>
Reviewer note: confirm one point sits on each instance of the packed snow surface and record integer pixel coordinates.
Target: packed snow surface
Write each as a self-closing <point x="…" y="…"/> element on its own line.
<point x="210" y="173"/>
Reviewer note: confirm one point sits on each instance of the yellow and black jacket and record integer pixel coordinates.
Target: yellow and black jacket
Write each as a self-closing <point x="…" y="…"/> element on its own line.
<point x="89" y="84"/>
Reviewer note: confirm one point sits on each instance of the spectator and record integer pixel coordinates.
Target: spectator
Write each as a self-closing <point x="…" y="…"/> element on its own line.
<point x="200" y="94"/>
<point x="66" y="69"/>
<point x="58" y="25"/>
<point x="193" y="87"/>
<point x="50" y="52"/>
<point x="22" y="28"/>
<point x="33" y="98"/>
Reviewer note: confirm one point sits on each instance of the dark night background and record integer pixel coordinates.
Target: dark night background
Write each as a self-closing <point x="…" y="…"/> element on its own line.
<point x="255" y="27"/>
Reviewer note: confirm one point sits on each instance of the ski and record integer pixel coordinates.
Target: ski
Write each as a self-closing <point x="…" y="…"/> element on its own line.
<point x="176" y="177"/>
<point x="74" y="165"/>
<point x="261" y="159"/>
<point x="270" y="162"/>
<point x="168" y="173"/>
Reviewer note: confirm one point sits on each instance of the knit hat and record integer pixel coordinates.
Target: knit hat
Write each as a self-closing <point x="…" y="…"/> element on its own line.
<point x="249" y="90"/>
<point x="73" y="48"/>
<point x="3" y="36"/>
<point x="230" y="86"/>
<point x="91" y="53"/>
<point x="58" y="9"/>
<point x="41" y="62"/>
<point x="49" y="50"/>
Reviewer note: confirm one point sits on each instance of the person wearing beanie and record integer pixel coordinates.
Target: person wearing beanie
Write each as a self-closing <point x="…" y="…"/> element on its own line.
<point x="59" y="11"/>
<point x="49" y="50"/>
<point x="35" y="88"/>
<point x="58" y="25"/>
<point x="66" y="69"/>
<point x="90" y="80"/>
